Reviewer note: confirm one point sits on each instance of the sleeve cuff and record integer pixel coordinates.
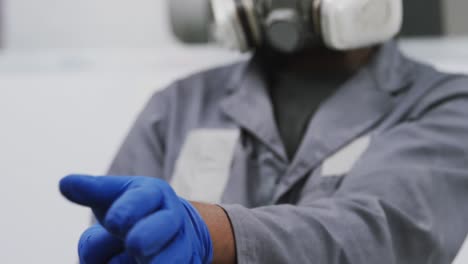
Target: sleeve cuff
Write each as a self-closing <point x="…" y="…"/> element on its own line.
<point x="247" y="245"/>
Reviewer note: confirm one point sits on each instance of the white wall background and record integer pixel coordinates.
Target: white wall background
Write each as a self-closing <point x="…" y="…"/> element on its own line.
<point x="67" y="112"/>
<point x="72" y="78"/>
<point x="85" y="24"/>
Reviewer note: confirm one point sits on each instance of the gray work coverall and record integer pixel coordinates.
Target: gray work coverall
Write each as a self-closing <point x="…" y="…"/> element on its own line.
<point x="380" y="177"/>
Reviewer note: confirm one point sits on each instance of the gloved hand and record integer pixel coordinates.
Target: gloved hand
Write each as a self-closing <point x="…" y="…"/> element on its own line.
<point x="140" y="217"/>
<point x="97" y="245"/>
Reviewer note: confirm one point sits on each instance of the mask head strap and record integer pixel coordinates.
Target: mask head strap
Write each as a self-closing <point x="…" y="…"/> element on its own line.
<point x="244" y="21"/>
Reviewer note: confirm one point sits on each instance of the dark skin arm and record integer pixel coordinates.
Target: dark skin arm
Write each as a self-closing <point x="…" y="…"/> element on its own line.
<point x="320" y="61"/>
<point x="221" y="232"/>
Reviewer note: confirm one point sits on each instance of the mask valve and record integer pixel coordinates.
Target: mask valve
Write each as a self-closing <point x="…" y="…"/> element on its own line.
<point x="284" y="30"/>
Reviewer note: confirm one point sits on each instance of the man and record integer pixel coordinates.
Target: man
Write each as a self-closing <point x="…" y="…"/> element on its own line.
<point x="308" y="155"/>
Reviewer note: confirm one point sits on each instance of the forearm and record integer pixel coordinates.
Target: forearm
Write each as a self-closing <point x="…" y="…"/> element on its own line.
<point x="220" y="231"/>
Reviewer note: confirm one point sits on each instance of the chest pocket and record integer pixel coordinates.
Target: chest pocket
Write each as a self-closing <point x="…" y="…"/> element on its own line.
<point x="326" y="179"/>
<point x="202" y="169"/>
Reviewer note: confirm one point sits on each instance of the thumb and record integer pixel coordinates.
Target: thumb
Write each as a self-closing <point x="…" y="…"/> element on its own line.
<point x="94" y="192"/>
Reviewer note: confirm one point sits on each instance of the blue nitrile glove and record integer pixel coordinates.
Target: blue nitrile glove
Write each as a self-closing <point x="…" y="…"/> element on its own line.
<point x="97" y="245"/>
<point x="155" y="225"/>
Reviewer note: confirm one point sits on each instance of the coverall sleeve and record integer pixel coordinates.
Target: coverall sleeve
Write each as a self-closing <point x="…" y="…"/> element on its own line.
<point x="405" y="202"/>
<point x="142" y="151"/>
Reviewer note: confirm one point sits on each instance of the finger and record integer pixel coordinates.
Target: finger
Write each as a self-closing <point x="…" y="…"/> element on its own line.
<point x="135" y="204"/>
<point x="97" y="246"/>
<point x="94" y="192"/>
<point x="123" y="258"/>
<point x="150" y="235"/>
<point x="176" y="251"/>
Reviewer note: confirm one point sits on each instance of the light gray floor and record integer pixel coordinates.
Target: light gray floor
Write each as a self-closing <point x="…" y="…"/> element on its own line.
<point x="66" y="111"/>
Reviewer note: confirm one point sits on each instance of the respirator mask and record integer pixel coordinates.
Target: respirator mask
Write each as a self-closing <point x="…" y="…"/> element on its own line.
<point x="286" y="25"/>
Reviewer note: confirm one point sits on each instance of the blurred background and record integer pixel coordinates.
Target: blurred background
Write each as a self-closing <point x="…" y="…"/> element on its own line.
<point x="73" y="75"/>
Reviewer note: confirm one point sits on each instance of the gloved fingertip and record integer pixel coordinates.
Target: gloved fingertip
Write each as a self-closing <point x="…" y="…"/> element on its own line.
<point x="68" y="181"/>
<point x="71" y="185"/>
<point x="96" y="245"/>
<point x="88" y="234"/>
<point x="123" y="258"/>
<point x="135" y="245"/>
<point x="63" y="186"/>
<point x="114" y="224"/>
<point x="79" y="177"/>
<point x="83" y="253"/>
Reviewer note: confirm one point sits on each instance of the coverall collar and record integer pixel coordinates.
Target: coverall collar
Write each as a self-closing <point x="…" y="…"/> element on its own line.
<point x="353" y="110"/>
<point x="250" y="106"/>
